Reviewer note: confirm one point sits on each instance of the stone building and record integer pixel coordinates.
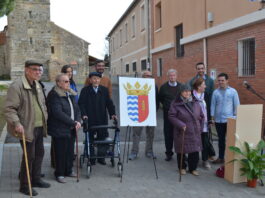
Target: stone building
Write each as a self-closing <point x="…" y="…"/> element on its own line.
<point x="31" y="35"/>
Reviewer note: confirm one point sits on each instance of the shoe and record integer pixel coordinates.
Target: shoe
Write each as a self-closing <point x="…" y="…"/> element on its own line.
<point x="183" y="172"/>
<point x="195" y="173"/>
<point x="25" y="191"/>
<point x="42" y="175"/>
<point x="206" y="165"/>
<point x="102" y="161"/>
<point x="132" y="156"/>
<point x="41" y="184"/>
<point x="212" y="158"/>
<point x="61" y="179"/>
<point x="150" y="155"/>
<point x="92" y="162"/>
<point x="168" y="158"/>
<point x="218" y="161"/>
<point x="72" y="174"/>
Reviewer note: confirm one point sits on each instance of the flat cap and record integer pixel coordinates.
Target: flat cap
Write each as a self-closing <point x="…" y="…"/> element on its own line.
<point x="94" y="74"/>
<point x="32" y="62"/>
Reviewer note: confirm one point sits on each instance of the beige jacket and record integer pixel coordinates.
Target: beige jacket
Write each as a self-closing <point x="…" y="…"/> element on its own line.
<point x="19" y="108"/>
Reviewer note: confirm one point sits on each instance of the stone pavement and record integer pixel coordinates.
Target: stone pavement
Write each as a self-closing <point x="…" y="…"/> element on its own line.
<point x="138" y="181"/>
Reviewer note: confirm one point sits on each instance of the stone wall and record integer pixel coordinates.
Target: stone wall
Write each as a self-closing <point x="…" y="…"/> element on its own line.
<point x="68" y="49"/>
<point x="29" y="34"/>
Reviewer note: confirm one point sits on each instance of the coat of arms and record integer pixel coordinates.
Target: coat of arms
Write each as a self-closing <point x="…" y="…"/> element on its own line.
<point x="137" y="101"/>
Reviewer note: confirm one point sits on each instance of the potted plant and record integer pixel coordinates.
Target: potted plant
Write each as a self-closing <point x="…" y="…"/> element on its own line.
<point x="252" y="161"/>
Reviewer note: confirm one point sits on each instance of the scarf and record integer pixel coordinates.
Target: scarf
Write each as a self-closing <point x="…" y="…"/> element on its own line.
<point x="200" y="98"/>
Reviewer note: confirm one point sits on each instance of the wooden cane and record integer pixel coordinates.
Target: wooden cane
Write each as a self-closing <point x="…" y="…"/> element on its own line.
<point x="27" y="165"/>
<point x="181" y="157"/>
<point x="77" y="158"/>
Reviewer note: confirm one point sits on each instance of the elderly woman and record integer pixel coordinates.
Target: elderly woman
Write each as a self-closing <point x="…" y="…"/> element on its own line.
<point x="186" y="116"/>
<point x="63" y="121"/>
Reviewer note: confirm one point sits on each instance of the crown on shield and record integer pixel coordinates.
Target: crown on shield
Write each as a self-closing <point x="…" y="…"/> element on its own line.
<point x="137" y="90"/>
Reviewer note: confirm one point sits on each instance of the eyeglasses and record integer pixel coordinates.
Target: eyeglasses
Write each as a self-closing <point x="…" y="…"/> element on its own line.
<point x="66" y="81"/>
<point x="36" y="69"/>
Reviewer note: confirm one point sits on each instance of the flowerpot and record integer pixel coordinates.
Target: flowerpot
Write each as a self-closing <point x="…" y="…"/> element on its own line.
<point x="252" y="183"/>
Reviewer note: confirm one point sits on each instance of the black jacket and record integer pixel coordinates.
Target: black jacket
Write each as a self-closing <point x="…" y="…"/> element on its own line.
<point x="60" y="123"/>
<point x="166" y="97"/>
<point x="95" y="105"/>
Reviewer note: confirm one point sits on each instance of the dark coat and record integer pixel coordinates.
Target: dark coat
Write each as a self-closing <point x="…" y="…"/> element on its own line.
<point x="180" y="116"/>
<point x="165" y="96"/>
<point x="95" y="105"/>
<point x="60" y="123"/>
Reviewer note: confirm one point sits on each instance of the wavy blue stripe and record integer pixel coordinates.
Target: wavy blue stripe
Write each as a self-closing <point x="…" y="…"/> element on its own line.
<point x="133" y="114"/>
<point x="133" y="103"/>
<point x="132" y="97"/>
<point x="134" y="119"/>
<point x="132" y="108"/>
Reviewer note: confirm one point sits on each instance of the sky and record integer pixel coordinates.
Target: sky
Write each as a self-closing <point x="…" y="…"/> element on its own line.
<point x="90" y="20"/>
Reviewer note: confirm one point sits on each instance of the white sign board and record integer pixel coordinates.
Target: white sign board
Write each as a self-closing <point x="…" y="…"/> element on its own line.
<point x="137" y="101"/>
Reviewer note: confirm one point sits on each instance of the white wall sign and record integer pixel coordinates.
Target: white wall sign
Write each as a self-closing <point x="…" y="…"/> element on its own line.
<point x="137" y="101"/>
<point x="213" y="74"/>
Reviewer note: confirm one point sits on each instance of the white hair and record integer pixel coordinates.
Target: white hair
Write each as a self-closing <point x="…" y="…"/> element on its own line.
<point x="171" y="71"/>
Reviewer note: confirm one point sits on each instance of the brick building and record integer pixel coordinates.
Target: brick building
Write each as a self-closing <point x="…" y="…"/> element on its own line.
<point x="226" y="40"/>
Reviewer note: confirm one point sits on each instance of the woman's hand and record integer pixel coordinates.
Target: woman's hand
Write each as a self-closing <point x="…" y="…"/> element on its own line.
<point x="184" y="128"/>
<point x="77" y="125"/>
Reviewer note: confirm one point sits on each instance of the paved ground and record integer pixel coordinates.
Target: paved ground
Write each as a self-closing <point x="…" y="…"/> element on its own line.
<point x="139" y="180"/>
<point x="139" y="177"/>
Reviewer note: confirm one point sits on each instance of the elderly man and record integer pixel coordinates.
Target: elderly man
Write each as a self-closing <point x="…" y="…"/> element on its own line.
<point x="25" y="113"/>
<point x="149" y="131"/>
<point x="167" y="93"/>
<point x="95" y="103"/>
<point x="105" y="81"/>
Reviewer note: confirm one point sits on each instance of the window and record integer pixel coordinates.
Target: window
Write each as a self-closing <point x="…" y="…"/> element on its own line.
<point x="134" y="67"/>
<point x="158" y="16"/>
<point x="143" y="65"/>
<point x="159" y="67"/>
<point x="127" y="67"/>
<point x="120" y="37"/>
<point x="126" y="32"/>
<point x="30" y="40"/>
<point x="30" y="14"/>
<point x="133" y="26"/>
<point x="246" y="57"/>
<point x="52" y="49"/>
<point x="142" y="18"/>
<point x="179" y="35"/>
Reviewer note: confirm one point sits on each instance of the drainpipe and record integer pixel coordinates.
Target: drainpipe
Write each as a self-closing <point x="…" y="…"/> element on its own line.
<point x="205" y="50"/>
<point x="149" y="61"/>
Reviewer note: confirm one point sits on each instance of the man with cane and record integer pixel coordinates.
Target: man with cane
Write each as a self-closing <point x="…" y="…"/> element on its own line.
<point x="26" y="117"/>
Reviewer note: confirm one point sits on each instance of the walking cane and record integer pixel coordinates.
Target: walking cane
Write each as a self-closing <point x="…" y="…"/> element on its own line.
<point x="124" y="150"/>
<point x="181" y="157"/>
<point x="128" y="150"/>
<point x="27" y="164"/>
<point x="77" y="157"/>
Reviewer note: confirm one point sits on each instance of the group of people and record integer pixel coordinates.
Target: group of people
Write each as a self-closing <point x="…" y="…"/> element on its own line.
<point x="31" y="114"/>
<point x="188" y="109"/>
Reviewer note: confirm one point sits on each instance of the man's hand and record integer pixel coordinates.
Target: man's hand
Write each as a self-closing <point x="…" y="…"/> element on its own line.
<point x="77" y="125"/>
<point x="19" y="129"/>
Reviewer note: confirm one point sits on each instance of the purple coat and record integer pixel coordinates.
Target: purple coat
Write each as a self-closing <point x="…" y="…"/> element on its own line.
<point x="180" y="115"/>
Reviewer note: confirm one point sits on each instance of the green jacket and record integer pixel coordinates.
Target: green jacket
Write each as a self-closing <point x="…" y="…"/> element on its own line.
<point x="19" y="108"/>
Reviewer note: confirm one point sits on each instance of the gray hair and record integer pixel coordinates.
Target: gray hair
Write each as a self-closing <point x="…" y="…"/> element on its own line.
<point x="59" y="76"/>
<point x="172" y="71"/>
<point x="146" y="71"/>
